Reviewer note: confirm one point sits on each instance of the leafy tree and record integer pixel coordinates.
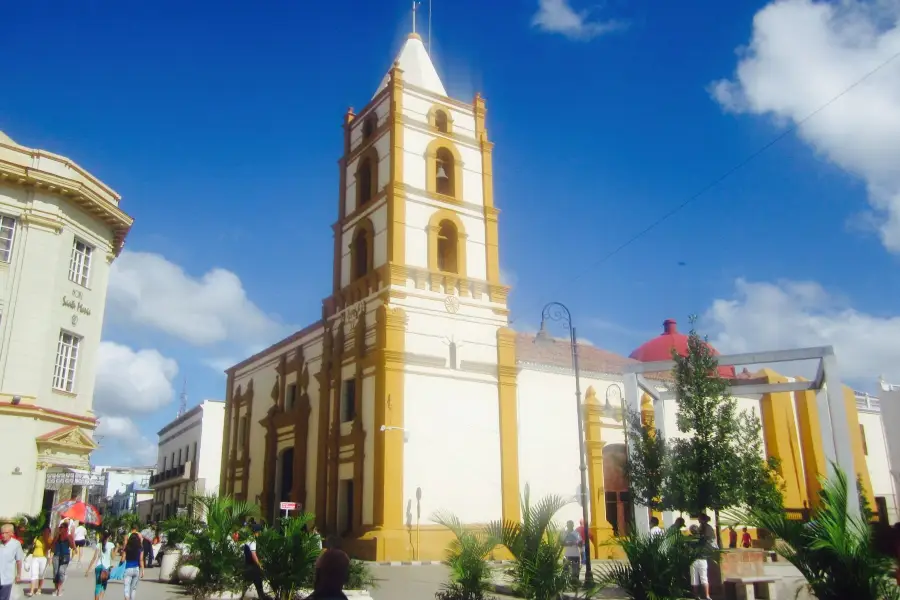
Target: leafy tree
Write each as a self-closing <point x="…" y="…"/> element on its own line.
<point x="470" y="572"/>
<point x="648" y="462"/>
<point x="719" y="463"/>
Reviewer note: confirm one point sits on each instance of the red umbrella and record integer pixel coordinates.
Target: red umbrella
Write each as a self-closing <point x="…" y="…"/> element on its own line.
<point x="78" y="510"/>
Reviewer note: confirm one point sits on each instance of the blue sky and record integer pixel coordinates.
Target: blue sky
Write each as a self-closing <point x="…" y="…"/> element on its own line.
<point x="219" y="124"/>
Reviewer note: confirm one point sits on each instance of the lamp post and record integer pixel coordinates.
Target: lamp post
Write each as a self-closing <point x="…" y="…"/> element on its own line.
<point x="556" y="311"/>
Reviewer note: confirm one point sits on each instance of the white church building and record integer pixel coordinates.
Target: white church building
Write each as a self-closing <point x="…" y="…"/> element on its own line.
<point x="412" y="394"/>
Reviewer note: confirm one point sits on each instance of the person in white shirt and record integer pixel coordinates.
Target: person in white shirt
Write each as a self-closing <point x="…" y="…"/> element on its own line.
<point x="11" y="557"/>
<point x="103" y="560"/>
<point x="80" y="536"/>
<point x="655" y="529"/>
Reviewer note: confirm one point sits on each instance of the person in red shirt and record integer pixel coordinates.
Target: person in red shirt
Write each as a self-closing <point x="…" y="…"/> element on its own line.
<point x="746" y="540"/>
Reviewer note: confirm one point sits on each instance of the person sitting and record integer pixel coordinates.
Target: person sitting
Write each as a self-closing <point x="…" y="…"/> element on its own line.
<point x="332" y="573"/>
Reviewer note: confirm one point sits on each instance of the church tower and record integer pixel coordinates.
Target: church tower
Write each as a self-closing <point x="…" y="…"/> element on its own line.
<point x="418" y="362"/>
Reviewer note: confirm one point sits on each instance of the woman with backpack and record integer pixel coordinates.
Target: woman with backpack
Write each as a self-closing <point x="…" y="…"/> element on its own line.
<point x="61" y="548"/>
<point x="103" y="560"/>
<point x="133" y="557"/>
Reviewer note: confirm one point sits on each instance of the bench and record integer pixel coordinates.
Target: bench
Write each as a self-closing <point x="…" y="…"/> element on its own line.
<point x="750" y="588"/>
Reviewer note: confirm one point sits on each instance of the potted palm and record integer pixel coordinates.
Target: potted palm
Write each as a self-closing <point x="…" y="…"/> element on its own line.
<point x="470" y="572"/>
<point x="837" y="551"/>
<point x="537" y="572"/>
<point x="176" y="530"/>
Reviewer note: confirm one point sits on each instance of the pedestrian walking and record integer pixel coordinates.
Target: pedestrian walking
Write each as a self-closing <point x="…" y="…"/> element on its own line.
<point x="79" y="534"/>
<point x="572" y="545"/>
<point x="61" y="548"/>
<point x="103" y="561"/>
<point x="147" y="543"/>
<point x="700" y="567"/>
<point x="252" y="566"/>
<point x="39" y="551"/>
<point x="133" y="556"/>
<point x="332" y="573"/>
<point x="11" y="557"/>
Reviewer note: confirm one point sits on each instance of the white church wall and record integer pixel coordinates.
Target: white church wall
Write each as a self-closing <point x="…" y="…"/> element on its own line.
<point x="877" y="460"/>
<point x="417" y="215"/>
<point x="429" y="332"/>
<point x="548" y="434"/>
<point x="415" y="144"/>
<point x="417" y="105"/>
<point x="453" y="448"/>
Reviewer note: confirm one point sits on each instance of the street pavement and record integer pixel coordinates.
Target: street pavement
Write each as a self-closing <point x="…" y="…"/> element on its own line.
<point x="394" y="583"/>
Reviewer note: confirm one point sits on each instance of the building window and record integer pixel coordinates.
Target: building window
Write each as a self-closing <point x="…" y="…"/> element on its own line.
<point x="447" y="247"/>
<point x="365" y="181"/>
<point x="361" y="254"/>
<point x="179" y="458"/>
<point x="244" y="430"/>
<point x="187" y="452"/>
<point x="348" y="400"/>
<point x="7" y="234"/>
<point x="444" y="171"/>
<point x="345" y="506"/>
<point x="368" y="127"/>
<point x="291" y="396"/>
<point x="165" y="462"/>
<point x="441" y="121"/>
<point x="66" y="360"/>
<point x="862" y="435"/>
<point x="80" y="263"/>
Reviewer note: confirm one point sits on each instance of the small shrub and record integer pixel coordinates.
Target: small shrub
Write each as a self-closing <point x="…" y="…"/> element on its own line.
<point x="470" y="573"/>
<point x="288" y="554"/>
<point x="361" y="577"/>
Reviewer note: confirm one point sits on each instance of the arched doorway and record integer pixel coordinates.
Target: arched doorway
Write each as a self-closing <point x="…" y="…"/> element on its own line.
<point x="284" y="481"/>
<point x="615" y="485"/>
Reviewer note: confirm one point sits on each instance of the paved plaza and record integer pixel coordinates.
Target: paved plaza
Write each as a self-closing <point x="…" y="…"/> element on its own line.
<point x="394" y="583"/>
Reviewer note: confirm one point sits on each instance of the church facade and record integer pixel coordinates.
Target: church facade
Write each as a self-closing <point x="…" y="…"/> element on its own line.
<point x="412" y="394"/>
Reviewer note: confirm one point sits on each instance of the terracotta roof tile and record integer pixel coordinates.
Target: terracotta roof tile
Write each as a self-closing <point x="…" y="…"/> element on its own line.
<point x="558" y="353"/>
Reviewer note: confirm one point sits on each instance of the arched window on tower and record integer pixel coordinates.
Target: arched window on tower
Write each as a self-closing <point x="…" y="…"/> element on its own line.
<point x="365" y="181"/>
<point x="360" y="254"/>
<point x="441" y="122"/>
<point x="444" y="171"/>
<point x="368" y="127"/>
<point x="448" y="247"/>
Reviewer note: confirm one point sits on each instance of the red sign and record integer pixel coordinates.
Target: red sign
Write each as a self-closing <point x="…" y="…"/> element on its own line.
<point x="288" y="506"/>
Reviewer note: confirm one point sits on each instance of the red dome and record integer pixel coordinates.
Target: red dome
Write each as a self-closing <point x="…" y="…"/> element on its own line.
<point x="660" y="348"/>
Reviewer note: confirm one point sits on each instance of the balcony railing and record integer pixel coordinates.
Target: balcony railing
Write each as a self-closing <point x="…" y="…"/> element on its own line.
<point x="173" y="475"/>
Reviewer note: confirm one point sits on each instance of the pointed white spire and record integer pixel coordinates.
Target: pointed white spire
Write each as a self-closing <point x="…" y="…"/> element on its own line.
<point x="418" y="70"/>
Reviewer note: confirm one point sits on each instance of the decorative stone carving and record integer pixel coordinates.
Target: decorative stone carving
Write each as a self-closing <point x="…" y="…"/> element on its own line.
<point x="451" y="303"/>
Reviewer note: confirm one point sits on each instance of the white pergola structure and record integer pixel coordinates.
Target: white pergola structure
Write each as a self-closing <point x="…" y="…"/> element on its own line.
<point x="829" y="400"/>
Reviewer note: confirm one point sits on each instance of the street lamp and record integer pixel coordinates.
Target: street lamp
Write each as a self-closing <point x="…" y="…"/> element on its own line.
<point x="614" y="392"/>
<point x="555" y="311"/>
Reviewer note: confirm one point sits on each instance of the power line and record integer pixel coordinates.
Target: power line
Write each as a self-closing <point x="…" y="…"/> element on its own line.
<point x="715" y="182"/>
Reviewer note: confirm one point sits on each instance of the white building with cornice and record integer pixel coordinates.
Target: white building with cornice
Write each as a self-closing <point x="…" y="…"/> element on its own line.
<point x="60" y="230"/>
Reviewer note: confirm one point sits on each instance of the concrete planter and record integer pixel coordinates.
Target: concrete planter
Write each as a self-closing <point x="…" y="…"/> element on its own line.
<point x="187" y="573"/>
<point x="167" y="565"/>
<point x="251" y="593"/>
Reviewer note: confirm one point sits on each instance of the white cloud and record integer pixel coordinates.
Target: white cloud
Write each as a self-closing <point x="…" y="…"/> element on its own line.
<point x="802" y="54"/>
<point x="557" y="16"/>
<point x="148" y="290"/>
<point x="796" y="314"/>
<point x="131" y="382"/>
<point x="123" y="442"/>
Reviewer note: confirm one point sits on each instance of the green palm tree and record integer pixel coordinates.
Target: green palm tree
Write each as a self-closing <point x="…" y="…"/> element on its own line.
<point x="34" y="526"/>
<point x="289" y="555"/>
<point x="836" y="552"/>
<point x="213" y="550"/>
<point x="538" y="571"/>
<point x="470" y="572"/>
<point x="658" y="566"/>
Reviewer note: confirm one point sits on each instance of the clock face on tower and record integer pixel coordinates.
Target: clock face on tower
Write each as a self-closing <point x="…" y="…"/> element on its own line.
<point x="451" y="303"/>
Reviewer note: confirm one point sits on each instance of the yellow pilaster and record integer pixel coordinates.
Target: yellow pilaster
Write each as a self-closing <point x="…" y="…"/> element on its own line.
<point x="492" y="229"/>
<point x="810" y="442"/>
<point x="859" y="456"/>
<point x="509" y="433"/>
<point x="396" y="202"/>
<point x="601" y="531"/>
<point x="781" y="441"/>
